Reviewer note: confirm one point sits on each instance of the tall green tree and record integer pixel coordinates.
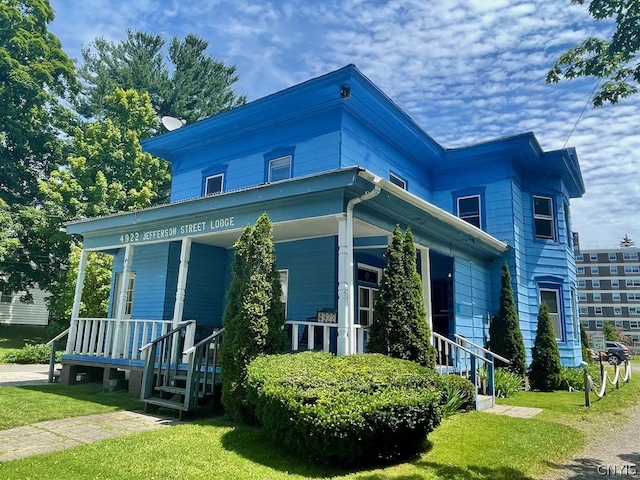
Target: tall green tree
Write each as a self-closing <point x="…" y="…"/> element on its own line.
<point x="108" y="171"/>
<point x="254" y="316"/>
<point x="505" y="336"/>
<point x="584" y="342"/>
<point x="609" y="332"/>
<point x="35" y="75"/>
<point x="191" y="86"/>
<point x="545" y="370"/>
<point x="613" y="59"/>
<point x="400" y="329"/>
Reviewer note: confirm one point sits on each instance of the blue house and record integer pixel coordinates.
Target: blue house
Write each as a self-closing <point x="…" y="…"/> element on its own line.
<point x="336" y="165"/>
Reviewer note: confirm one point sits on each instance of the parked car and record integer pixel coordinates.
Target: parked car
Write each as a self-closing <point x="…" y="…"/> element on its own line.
<point x="617" y="353"/>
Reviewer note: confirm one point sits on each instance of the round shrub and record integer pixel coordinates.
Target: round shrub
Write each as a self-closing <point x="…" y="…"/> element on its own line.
<point x="357" y="409"/>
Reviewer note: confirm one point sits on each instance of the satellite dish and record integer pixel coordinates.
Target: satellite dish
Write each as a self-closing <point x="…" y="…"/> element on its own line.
<point x="171" y="123"/>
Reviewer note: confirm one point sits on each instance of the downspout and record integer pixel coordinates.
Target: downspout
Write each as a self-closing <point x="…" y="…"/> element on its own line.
<point x="349" y="233"/>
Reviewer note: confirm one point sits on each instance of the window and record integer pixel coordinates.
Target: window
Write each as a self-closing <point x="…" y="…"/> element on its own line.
<point x="632" y="282"/>
<point x="618" y="323"/>
<point x="597" y="311"/>
<point x="582" y="297"/>
<point x="613" y="269"/>
<point x="631" y="269"/>
<point x="582" y="283"/>
<point x="469" y="209"/>
<point x="213" y="184"/>
<point x="615" y="296"/>
<point x="632" y="297"/>
<point x="634" y="324"/>
<point x="279" y="169"/>
<point x="551" y="298"/>
<point x="634" y="310"/>
<point x="128" y="303"/>
<point x="580" y="270"/>
<point x="595" y="270"/>
<point x="5" y="296"/>
<point x="615" y="283"/>
<point x="630" y="255"/>
<point x="593" y="257"/>
<point x="579" y="257"/>
<point x="396" y="180"/>
<point x="612" y="257"/>
<point x="543" y="218"/>
<point x="597" y="297"/>
<point x="367" y="293"/>
<point x="599" y="324"/>
<point x="584" y="311"/>
<point x="595" y="283"/>
<point x="618" y="311"/>
<point x="284" y="283"/>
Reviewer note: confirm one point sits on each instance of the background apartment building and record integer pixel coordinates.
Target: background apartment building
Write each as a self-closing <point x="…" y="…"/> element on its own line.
<point x="609" y="289"/>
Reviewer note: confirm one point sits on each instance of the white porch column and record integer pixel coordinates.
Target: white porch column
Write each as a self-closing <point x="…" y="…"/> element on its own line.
<point x="77" y="299"/>
<point x="118" y="340"/>
<point x="343" y="287"/>
<point x="425" y="274"/>
<point x="181" y="291"/>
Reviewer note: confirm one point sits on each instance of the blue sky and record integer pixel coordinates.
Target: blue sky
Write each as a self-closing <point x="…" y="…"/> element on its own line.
<point x="466" y="71"/>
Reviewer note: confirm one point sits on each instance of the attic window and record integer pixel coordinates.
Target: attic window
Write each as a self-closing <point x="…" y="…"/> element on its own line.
<point x="280" y="169"/>
<point x="469" y="209"/>
<point x="213" y="184"/>
<point x="396" y="180"/>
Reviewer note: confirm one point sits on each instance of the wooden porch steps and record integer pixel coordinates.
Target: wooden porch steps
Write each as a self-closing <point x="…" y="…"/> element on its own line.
<point x="165" y="403"/>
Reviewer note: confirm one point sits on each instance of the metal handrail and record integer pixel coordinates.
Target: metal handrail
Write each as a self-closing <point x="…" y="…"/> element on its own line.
<point x="484" y="350"/>
<point x="203" y="341"/>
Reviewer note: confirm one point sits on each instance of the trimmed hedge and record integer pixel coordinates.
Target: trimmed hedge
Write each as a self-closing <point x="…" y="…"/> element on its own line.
<point x="30" y="354"/>
<point x="357" y="409"/>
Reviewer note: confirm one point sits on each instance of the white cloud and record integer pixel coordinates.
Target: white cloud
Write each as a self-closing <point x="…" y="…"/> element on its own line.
<point x="466" y="70"/>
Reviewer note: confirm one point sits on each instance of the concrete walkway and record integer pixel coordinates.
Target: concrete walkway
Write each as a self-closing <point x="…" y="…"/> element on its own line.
<point x="54" y="435"/>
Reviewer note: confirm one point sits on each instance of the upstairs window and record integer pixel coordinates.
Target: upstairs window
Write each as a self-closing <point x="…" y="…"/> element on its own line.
<point x="612" y="256"/>
<point x="543" y="218"/>
<point x="630" y="255"/>
<point x="214" y="184"/>
<point x="613" y="269"/>
<point x="593" y="257"/>
<point x="396" y="180"/>
<point x="469" y="209"/>
<point x="595" y="271"/>
<point x="279" y="169"/>
<point x="5" y="296"/>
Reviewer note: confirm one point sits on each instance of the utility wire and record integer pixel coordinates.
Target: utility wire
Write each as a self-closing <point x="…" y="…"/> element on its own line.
<point x="582" y="113"/>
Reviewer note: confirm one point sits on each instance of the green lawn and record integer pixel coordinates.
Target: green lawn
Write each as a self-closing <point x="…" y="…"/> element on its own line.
<point x="17" y="336"/>
<point x="474" y="445"/>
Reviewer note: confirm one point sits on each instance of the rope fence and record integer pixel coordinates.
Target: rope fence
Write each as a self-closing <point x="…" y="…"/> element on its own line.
<point x="605" y="381"/>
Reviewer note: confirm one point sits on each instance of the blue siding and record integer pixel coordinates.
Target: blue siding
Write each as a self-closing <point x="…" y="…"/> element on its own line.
<point x="473" y="300"/>
<point x="312" y="266"/>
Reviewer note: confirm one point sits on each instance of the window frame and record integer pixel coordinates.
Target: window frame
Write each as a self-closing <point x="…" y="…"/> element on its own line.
<point x="468" y="217"/>
<point x="548" y="219"/>
<point x="206" y="183"/>
<point x="595" y="270"/>
<point x="613" y="269"/>
<point x="557" y="317"/>
<point x="270" y="168"/>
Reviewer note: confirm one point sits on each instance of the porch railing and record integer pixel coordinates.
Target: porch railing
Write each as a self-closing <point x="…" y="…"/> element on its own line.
<point x="113" y="338"/>
<point x="465" y="358"/>
<point x="305" y="335"/>
<point x="202" y="373"/>
<point x="53" y="343"/>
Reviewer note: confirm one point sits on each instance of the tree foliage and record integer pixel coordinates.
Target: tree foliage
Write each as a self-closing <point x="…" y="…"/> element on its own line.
<point x="609" y="332"/>
<point x="108" y="171"/>
<point x="400" y="329"/>
<point x="35" y="74"/>
<point x="545" y="370"/>
<point x="192" y="86"/>
<point x="613" y="59"/>
<point x="254" y="316"/>
<point x="505" y="336"/>
<point x="584" y="342"/>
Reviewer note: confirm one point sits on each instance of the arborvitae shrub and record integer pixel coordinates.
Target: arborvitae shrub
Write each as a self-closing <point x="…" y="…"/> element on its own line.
<point x="505" y="336"/>
<point x="401" y="329"/>
<point x="254" y="315"/>
<point x="356" y="409"/>
<point x="545" y="372"/>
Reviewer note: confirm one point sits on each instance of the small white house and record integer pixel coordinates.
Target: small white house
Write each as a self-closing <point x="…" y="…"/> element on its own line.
<point x="15" y="312"/>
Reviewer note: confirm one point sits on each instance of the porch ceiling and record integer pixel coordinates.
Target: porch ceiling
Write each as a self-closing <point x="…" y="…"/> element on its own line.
<point x="295" y="230"/>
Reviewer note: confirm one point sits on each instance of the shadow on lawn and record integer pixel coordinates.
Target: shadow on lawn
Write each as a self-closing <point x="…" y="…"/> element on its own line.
<point x="254" y="444"/>
<point x="90" y="392"/>
<point x="628" y="466"/>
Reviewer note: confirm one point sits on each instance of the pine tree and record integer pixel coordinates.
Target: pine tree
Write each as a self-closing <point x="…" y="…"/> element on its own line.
<point x="254" y="315"/>
<point x="505" y="336"/>
<point x="400" y="329"/>
<point x="545" y="369"/>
